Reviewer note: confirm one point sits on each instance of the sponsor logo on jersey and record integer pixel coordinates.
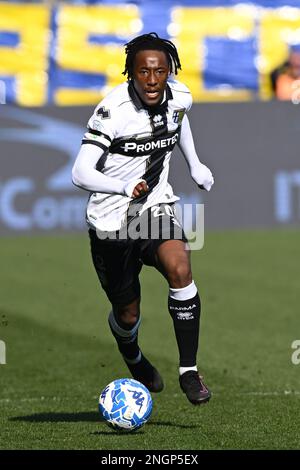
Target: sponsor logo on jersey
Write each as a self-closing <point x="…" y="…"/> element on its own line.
<point x="142" y="148"/>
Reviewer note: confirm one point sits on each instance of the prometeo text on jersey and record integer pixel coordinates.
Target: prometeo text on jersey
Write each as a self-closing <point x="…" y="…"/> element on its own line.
<point x="145" y="146"/>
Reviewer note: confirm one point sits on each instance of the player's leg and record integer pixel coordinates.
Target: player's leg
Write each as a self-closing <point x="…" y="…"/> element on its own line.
<point x="124" y="321"/>
<point x="173" y="260"/>
<point x="183" y="302"/>
<point x="118" y="265"/>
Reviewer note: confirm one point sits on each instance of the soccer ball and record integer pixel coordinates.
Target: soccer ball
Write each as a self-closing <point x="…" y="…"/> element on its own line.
<point x="125" y="404"/>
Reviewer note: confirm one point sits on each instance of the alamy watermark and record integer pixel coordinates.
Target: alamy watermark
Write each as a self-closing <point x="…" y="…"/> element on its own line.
<point x="160" y="222"/>
<point x="295" y="358"/>
<point x="2" y="92"/>
<point x="2" y="352"/>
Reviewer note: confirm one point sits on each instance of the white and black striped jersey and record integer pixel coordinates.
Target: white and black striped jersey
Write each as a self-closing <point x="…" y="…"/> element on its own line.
<point x="137" y="142"/>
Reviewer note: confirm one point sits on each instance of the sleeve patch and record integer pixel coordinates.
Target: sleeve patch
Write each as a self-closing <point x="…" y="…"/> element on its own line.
<point x="103" y="113"/>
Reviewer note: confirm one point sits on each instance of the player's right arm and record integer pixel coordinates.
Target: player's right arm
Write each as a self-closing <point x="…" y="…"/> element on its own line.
<point x="101" y="131"/>
<point x="86" y="176"/>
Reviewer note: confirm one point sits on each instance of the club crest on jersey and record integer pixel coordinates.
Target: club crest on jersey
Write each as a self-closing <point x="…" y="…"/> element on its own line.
<point x="178" y="115"/>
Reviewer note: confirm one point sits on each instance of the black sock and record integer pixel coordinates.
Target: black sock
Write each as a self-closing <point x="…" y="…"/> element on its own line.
<point x="127" y="339"/>
<point x="186" y="319"/>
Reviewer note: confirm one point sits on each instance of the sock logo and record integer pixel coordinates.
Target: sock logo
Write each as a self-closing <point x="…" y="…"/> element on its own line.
<point x="185" y="316"/>
<point x="184" y="313"/>
<point x="182" y="308"/>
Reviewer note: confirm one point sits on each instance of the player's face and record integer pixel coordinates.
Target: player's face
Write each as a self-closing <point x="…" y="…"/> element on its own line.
<point x="150" y="74"/>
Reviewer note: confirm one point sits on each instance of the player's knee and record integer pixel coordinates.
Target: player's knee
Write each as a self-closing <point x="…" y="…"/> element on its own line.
<point x="130" y="318"/>
<point x="179" y="275"/>
<point x="128" y="314"/>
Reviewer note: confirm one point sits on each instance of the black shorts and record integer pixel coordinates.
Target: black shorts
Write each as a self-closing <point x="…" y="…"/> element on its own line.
<point x="119" y="261"/>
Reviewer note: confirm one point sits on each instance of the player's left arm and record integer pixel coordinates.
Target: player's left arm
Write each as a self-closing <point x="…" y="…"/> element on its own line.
<point x="200" y="173"/>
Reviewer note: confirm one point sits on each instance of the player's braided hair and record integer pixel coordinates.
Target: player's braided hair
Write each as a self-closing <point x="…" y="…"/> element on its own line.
<point x="151" y="41"/>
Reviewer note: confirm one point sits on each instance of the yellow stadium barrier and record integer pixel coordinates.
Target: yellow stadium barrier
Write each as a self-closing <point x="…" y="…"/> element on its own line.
<point x="42" y="54"/>
<point x="28" y="62"/>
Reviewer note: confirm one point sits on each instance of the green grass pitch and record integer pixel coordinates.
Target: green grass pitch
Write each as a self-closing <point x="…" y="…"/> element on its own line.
<point x="60" y="353"/>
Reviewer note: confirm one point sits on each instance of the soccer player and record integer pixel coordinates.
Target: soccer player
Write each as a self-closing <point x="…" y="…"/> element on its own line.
<point x="124" y="163"/>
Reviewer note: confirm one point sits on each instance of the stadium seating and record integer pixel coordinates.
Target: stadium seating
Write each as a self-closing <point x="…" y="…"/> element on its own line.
<point x="71" y="53"/>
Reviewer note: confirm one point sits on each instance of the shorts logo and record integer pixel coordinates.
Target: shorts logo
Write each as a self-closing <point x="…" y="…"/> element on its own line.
<point x="178" y="115"/>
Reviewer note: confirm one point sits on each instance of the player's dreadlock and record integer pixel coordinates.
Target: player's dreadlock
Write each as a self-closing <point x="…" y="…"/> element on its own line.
<point x="151" y="41"/>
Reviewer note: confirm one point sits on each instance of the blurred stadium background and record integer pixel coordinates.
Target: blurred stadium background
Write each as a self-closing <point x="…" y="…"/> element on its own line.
<point x="57" y="59"/>
<point x="69" y="53"/>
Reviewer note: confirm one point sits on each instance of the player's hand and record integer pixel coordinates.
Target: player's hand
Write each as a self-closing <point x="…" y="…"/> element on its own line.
<point x="136" y="188"/>
<point x="140" y="189"/>
<point x="203" y="177"/>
